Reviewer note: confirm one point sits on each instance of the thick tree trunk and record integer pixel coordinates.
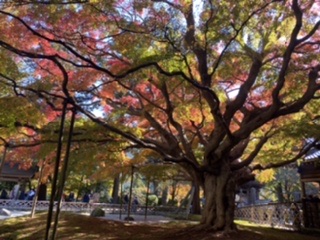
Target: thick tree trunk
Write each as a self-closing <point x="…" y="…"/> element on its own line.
<point x="279" y="193"/>
<point x="196" y="209"/>
<point x="173" y="191"/>
<point x="164" y="195"/>
<point x="42" y="194"/>
<point x="218" y="212"/>
<point x="155" y="184"/>
<point x="115" y="189"/>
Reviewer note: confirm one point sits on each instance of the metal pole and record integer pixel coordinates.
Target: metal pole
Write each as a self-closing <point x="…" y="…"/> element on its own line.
<point x="121" y="196"/>
<point x="63" y="174"/>
<point x="56" y="170"/>
<point x="147" y="199"/>
<point x="130" y="196"/>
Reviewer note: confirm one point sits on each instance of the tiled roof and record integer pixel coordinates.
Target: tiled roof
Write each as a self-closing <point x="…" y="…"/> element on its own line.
<point x="313" y="154"/>
<point x="14" y="173"/>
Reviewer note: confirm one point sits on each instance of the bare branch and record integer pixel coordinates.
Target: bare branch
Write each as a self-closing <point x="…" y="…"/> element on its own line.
<point x="252" y="155"/>
<point x="310" y="34"/>
<point x="238" y="30"/>
<point x="43" y="2"/>
<point x="312" y="88"/>
<point x="287" y="55"/>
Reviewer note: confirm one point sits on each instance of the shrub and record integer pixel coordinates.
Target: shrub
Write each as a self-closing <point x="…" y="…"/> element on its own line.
<point x="97" y="212"/>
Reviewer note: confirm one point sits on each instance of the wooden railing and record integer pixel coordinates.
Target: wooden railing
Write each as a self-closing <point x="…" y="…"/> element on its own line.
<point x="286" y="215"/>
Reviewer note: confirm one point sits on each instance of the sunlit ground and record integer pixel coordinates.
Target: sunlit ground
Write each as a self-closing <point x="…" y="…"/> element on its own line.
<point x="79" y="227"/>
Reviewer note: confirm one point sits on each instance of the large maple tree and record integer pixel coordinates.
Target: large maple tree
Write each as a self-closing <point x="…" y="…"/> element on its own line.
<point x="204" y="84"/>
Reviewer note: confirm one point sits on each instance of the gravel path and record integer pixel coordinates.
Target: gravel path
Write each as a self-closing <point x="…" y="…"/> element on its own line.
<point x="138" y="219"/>
<point x="14" y="213"/>
<point x="150" y="219"/>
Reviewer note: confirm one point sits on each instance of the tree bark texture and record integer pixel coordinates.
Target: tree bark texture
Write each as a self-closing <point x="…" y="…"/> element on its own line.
<point x="63" y="175"/>
<point x="115" y="189"/>
<point x="196" y="209"/>
<point x="42" y="194"/>
<point x="164" y="195"/>
<point x="56" y="171"/>
<point x="219" y="206"/>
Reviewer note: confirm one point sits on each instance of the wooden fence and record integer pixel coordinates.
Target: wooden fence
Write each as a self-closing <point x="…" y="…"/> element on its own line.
<point x="286" y="215"/>
<point x="88" y="207"/>
<point x="311" y="213"/>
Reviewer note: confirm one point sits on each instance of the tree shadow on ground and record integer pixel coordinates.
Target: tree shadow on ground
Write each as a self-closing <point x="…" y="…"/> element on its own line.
<point x="79" y="227"/>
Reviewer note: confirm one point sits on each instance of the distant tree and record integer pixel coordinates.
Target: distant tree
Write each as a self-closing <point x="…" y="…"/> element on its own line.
<point x="282" y="184"/>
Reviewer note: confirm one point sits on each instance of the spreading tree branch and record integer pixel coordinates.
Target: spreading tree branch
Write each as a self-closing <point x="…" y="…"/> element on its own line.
<point x="301" y="153"/>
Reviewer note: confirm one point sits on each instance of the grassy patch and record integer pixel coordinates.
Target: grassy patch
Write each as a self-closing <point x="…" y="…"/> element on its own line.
<point x="277" y="234"/>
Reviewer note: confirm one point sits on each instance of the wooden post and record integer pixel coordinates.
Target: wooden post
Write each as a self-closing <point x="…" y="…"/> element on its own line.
<point x="303" y="189"/>
<point x="304" y="204"/>
<point x="35" y="199"/>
